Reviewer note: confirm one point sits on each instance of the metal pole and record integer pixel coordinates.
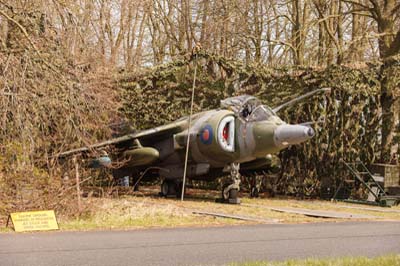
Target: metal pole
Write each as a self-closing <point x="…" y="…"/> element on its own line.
<point x="189" y="125"/>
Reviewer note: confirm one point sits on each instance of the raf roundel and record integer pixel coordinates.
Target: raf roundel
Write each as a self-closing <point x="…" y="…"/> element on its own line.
<point x="206" y="135"/>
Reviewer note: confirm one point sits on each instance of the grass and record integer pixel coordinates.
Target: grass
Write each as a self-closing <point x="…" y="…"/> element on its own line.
<point x="145" y="210"/>
<point x="388" y="260"/>
<point x="327" y="206"/>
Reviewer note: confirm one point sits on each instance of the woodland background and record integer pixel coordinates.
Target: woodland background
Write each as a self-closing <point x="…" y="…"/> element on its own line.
<point x="70" y="70"/>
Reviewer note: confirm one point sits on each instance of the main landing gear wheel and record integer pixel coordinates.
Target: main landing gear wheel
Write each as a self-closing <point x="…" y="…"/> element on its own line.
<point x="164" y="188"/>
<point x="171" y="188"/>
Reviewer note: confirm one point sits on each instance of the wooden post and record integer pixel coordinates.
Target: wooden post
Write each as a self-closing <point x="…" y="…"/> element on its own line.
<point x="8" y="220"/>
<point x="77" y="177"/>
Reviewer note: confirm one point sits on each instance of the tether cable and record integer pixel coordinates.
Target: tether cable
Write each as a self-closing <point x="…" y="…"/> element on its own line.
<point x="188" y="130"/>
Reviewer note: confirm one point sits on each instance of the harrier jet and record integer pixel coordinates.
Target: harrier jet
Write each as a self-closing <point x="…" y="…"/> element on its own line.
<point x="242" y="131"/>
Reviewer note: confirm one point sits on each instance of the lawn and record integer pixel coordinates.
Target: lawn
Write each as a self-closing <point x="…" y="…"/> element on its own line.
<point x="145" y="209"/>
<point x="389" y="260"/>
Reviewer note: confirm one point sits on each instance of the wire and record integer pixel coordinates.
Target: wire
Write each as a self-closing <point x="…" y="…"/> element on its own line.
<point x="189" y="125"/>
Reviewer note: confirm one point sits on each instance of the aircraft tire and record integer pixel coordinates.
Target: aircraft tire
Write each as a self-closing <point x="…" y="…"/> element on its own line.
<point x="233" y="194"/>
<point x="169" y="188"/>
<point x="164" y="188"/>
<point x="254" y="192"/>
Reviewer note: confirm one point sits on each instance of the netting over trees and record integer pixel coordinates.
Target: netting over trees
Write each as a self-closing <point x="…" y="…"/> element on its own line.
<point x="350" y="116"/>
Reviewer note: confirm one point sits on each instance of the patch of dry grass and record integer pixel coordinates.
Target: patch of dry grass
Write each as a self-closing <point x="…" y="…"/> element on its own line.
<point x="328" y="206"/>
<point x="137" y="212"/>
<point x="146" y="210"/>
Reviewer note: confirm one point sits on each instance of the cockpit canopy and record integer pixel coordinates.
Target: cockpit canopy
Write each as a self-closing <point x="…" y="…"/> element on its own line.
<point x="248" y="107"/>
<point x="261" y="113"/>
<point x="237" y="103"/>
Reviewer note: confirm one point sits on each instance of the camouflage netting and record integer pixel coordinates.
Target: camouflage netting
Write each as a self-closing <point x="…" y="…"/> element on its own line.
<point x="350" y="113"/>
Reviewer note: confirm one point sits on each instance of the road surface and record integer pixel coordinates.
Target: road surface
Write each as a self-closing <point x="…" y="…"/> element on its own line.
<point x="201" y="246"/>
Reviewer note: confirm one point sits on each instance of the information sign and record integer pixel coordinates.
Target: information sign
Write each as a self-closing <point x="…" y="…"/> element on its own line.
<point x="34" y="221"/>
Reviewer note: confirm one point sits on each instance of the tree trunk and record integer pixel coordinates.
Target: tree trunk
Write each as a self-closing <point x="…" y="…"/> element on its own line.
<point x="390" y="101"/>
<point x="339" y="57"/>
<point x="296" y="34"/>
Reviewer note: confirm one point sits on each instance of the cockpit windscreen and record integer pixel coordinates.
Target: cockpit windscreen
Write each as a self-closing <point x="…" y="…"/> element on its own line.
<point x="261" y="113"/>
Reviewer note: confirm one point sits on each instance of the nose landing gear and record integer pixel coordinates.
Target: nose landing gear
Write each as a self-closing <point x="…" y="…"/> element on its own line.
<point x="230" y="190"/>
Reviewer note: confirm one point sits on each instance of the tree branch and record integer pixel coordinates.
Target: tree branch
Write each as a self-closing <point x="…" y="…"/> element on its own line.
<point x="22" y="28"/>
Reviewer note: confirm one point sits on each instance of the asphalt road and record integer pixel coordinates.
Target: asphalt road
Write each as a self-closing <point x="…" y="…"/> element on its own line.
<point x="200" y="246"/>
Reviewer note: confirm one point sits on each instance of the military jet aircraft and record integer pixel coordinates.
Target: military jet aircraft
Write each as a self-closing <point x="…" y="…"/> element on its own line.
<point x="242" y="131"/>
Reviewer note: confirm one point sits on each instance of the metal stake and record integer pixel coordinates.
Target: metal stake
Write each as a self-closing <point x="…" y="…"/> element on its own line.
<point x="188" y="131"/>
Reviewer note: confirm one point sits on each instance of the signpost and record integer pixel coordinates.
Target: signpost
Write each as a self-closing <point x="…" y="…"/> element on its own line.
<point x="34" y="221"/>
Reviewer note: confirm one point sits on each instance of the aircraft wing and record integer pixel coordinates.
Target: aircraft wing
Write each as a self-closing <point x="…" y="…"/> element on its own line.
<point x="161" y="131"/>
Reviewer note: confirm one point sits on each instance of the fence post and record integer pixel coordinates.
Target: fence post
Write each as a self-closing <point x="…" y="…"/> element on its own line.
<point x="77" y="177"/>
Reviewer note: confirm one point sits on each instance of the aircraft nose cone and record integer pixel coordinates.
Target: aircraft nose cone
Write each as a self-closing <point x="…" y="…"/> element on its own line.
<point x="285" y="135"/>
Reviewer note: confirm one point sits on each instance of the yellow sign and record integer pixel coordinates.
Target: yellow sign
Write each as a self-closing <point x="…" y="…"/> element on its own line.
<point x="34" y="221"/>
